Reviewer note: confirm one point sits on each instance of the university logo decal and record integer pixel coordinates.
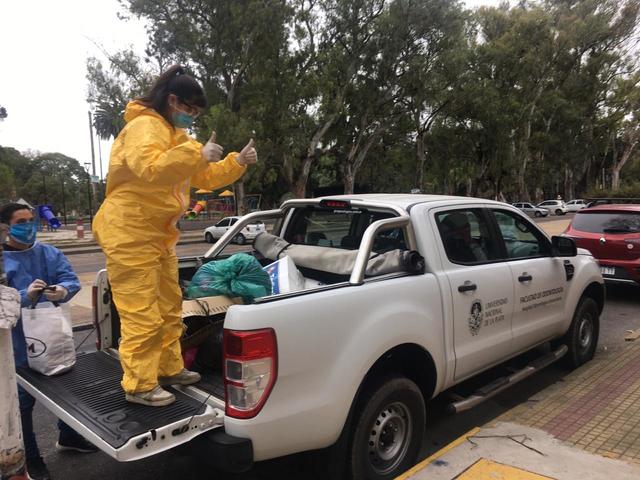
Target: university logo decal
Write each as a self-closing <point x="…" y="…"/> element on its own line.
<point x="475" y="317"/>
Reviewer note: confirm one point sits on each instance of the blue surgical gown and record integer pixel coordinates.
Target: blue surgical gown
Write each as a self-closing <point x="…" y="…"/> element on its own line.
<point x="41" y="261"/>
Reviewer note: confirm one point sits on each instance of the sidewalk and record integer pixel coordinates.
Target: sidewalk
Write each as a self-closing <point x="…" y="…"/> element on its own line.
<point x="586" y="426"/>
<point x="67" y="241"/>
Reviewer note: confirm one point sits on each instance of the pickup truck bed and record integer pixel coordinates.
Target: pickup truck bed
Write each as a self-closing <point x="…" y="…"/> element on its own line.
<point x="96" y="407"/>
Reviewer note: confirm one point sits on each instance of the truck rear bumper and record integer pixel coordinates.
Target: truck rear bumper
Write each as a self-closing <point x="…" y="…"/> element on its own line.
<point x="223" y="451"/>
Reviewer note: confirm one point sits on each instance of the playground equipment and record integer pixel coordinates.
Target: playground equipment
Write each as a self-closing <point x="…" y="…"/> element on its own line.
<point x="44" y="211"/>
<point x="195" y="211"/>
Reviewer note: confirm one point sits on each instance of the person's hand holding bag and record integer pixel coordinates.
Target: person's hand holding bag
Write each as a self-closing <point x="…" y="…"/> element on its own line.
<point x="34" y="289"/>
<point x="56" y="294"/>
<point x="212" y="152"/>
<point x="248" y="155"/>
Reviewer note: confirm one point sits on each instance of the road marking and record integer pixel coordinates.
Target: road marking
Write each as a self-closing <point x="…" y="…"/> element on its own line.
<point x="485" y="469"/>
<point x="424" y="463"/>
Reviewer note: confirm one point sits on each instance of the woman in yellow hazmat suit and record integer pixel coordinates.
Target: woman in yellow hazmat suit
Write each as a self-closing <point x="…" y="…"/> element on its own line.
<point x="152" y="167"/>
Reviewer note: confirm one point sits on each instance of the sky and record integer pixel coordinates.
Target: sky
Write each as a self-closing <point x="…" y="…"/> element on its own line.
<point x="44" y="48"/>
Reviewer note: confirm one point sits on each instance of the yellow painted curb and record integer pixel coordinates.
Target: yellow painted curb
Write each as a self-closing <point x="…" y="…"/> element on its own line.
<point x="423" y="464"/>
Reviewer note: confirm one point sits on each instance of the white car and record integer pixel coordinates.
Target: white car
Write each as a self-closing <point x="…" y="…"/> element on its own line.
<point x="532" y="211"/>
<point x="249" y="232"/>
<point x="575" y="205"/>
<point x="556" y="207"/>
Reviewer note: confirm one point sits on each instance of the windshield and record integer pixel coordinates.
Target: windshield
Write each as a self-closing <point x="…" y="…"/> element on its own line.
<point x="340" y="229"/>
<point x="607" y="222"/>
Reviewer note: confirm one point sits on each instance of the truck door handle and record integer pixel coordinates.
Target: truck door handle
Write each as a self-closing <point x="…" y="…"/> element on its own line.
<point x="467" y="287"/>
<point x="525" y="278"/>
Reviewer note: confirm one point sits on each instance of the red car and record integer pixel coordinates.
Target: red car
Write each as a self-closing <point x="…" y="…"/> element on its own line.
<point x="612" y="234"/>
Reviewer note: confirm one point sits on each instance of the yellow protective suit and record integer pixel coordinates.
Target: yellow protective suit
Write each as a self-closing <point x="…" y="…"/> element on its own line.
<point x="151" y="170"/>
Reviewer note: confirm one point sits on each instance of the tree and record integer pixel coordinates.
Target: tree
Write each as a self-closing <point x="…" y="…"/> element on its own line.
<point x="3" y="113"/>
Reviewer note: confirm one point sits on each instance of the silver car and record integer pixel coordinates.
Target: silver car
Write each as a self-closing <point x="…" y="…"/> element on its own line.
<point x="532" y="210"/>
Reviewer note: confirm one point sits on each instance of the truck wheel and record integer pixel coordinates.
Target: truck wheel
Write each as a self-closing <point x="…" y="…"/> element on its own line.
<point x="208" y="237"/>
<point x="582" y="337"/>
<point x="387" y="430"/>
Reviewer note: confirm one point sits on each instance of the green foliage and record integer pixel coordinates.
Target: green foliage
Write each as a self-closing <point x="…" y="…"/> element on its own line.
<point x="41" y="178"/>
<point x="518" y="103"/>
<point x="629" y="190"/>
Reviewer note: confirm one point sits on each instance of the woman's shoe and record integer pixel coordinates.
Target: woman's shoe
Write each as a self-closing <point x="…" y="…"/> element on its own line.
<point x="185" y="377"/>
<point x="158" y="397"/>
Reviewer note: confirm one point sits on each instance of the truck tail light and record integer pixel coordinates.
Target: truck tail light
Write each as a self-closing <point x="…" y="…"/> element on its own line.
<point x="250" y="370"/>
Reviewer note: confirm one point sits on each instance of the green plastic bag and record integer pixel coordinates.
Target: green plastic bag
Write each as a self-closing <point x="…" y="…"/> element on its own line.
<point x="240" y="275"/>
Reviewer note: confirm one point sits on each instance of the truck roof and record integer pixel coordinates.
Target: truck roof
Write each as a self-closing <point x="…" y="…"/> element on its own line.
<point x="405" y="200"/>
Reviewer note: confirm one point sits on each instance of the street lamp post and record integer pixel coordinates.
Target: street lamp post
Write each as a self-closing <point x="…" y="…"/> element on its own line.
<point x="87" y="166"/>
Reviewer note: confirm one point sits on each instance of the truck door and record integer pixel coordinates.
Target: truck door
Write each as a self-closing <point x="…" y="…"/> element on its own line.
<point x="540" y="279"/>
<point x="481" y="289"/>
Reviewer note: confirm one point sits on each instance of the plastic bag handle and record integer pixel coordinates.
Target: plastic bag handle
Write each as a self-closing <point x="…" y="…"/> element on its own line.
<point x="35" y="301"/>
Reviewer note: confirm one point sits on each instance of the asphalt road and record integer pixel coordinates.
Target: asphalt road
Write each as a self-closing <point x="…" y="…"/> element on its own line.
<point x="620" y="314"/>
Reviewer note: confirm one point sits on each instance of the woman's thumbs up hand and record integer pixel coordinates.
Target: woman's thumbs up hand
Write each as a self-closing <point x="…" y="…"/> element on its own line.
<point x="212" y="152"/>
<point x="248" y="155"/>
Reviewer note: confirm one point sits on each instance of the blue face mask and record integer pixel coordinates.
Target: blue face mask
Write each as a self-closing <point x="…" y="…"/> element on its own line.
<point x="181" y="120"/>
<point x="24" y="232"/>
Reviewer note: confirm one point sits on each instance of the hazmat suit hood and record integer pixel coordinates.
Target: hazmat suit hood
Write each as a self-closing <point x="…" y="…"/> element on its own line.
<point x="134" y="109"/>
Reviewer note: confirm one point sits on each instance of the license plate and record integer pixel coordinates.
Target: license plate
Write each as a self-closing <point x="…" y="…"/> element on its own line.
<point x="608" y="270"/>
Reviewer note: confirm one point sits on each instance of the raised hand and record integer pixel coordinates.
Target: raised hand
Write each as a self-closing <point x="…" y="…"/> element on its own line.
<point x="212" y="152"/>
<point x="248" y="155"/>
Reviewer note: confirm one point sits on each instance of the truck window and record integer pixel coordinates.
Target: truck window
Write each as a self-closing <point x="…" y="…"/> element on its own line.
<point x="466" y="237"/>
<point x="520" y="238"/>
<point x="340" y="229"/>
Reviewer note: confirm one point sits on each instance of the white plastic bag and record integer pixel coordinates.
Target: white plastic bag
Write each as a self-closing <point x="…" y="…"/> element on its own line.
<point x="285" y="276"/>
<point x="49" y="335"/>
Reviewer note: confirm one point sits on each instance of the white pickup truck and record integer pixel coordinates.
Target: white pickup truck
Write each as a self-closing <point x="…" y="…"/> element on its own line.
<point x="349" y="366"/>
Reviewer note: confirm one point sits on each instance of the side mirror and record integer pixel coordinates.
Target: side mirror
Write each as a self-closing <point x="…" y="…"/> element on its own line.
<point x="564" y="246"/>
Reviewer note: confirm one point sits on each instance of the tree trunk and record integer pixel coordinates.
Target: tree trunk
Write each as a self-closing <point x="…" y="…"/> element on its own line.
<point x="238" y="188"/>
<point x="568" y="183"/>
<point x="356" y="157"/>
<point x="624" y="158"/>
<point x="300" y="188"/>
<point x="348" y="178"/>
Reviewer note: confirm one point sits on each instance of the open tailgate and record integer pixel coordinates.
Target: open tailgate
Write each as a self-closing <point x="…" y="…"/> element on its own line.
<point x="90" y="399"/>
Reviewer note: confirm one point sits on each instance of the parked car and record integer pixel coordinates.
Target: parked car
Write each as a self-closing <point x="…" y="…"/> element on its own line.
<point x="556" y="207"/>
<point x="575" y="205"/>
<point x="532" y="210"/>
<point x="249" y="232"/>
<point x="391" y="321"/>
<point x="612" y="234"/>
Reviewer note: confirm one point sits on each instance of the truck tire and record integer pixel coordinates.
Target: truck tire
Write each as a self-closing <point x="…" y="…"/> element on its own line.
<point x="387" y="430"/>
<point x="582" y="336"/>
